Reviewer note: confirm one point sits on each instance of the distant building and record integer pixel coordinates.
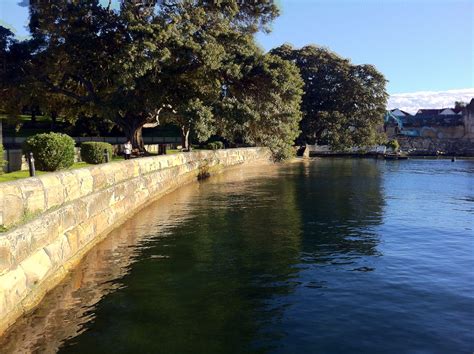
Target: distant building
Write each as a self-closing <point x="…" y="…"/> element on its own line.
<point x="468" y="116"/>
<point x="442" y="123"/>
<point x="399" y="113"/>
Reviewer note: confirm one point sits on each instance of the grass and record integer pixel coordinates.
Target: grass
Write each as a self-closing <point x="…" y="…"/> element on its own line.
<point x="172" y="151"/>
<point x="13" y="176"/>
<point x="27" y="118"/>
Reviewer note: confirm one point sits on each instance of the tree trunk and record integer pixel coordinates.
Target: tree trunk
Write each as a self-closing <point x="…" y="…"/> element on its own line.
<point x="133" y="132"/>
<point x="54" y="119"/>
<point x="33" y="115"/>
<point x="185" y="138"/>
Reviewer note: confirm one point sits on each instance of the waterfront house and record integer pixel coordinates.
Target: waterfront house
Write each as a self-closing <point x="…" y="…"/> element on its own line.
<point x="432" y="123"/>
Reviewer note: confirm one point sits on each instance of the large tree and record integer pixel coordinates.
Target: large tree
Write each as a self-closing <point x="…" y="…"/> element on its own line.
<point x="130" y="63"/>
<point x="343" y="104"/>
<point x="262" y="106"/>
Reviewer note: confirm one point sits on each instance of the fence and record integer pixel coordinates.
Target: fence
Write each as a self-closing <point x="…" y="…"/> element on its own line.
<point x="17" y="141"/>
<point x="16" y="161"/>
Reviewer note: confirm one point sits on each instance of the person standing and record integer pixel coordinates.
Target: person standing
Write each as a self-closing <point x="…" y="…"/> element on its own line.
<point x="127" y="150"/>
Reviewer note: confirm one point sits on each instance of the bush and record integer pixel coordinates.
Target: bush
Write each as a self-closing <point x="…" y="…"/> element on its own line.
<point x="2" y="161"/>
<point x="393" y="144"/>
<point x="93" y="152"/>
<point x="215" y="145"/>
<point x="51" y="151"/>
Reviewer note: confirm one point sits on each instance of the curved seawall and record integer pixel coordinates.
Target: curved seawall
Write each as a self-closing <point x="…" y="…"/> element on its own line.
<point x="54" y="219"/>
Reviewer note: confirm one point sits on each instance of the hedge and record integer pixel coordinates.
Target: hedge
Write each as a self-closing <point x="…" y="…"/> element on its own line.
<point x="51" y="151"/>
<point x="2" y="161"/>
<point x="215" y="145"/>
<point x="93" y="152"/>
<point x="393" y="144"/>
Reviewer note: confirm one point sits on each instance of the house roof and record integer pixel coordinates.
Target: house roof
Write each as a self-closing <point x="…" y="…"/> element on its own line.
<point x="401" y="110"/>
<point x="470" y="106"/>
<point x="428" y="120"/>
<point x="428" y="112"/>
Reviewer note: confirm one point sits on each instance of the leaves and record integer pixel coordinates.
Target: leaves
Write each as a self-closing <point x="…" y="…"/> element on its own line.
<point x="343" y="104"/>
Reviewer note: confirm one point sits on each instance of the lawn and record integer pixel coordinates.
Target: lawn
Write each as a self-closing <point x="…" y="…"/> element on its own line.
<point x="13" y="176"/>
<point x="172" y="151"/>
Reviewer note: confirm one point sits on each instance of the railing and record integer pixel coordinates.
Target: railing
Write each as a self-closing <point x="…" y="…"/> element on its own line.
<point x="9" y="140"/>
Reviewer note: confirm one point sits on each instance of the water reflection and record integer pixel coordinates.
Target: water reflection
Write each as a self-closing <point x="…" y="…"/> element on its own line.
<point x="65" y="311"/>
<point x="340" y="214"/>
<point x="305" y="257"/>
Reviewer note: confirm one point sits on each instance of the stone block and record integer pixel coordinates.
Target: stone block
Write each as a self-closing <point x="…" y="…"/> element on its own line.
<point x="36" y="267"/>
<point x="33" y="195"/>
<point x="54" y="190"/>
<point x="100" y="222"/>
<point x="85" y="180"/>
<point x="73" y="240"/>
<point x="59" y="251"/>
<point x="20" y="241"/>
<point x="99" y="201"/>
<point x="6" y="256"/>
<point x="109" y="171"/>
<point x="43" y="230"/>
<point x="72" y="187"/>
<point x="12" y="207"/>
<point x="13" y="288"/>
<point x="67" y="218"/>
<point x="98" y="177"/>
<point x="85" y="232"/>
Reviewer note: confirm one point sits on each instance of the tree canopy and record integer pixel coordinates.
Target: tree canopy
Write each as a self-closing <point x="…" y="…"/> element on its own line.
<point x="193" y="63"/>
<point x="147" y="60"/>
<point x="343" y="104"/>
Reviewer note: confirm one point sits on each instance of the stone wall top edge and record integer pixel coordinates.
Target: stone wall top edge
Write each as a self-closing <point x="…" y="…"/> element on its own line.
<point x="81" y="182"/>
<point x="195" y="153"/>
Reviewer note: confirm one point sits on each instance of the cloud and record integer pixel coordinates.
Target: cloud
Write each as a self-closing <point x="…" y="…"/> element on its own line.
<point x="412" y="102"/>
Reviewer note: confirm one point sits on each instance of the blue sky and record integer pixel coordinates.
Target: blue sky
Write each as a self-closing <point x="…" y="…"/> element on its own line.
<point x="419" y="45"/>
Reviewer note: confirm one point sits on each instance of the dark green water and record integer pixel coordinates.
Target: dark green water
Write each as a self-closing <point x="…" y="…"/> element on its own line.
<point x="328" y="256"/>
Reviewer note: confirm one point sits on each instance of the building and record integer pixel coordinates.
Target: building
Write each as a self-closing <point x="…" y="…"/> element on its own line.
<point x="468" y="116"/>
<point x="444" y="131"/>
<point x="443" y="123"/>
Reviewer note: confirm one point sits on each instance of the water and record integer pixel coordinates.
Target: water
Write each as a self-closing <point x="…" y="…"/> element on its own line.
<point x="327" y="256"/>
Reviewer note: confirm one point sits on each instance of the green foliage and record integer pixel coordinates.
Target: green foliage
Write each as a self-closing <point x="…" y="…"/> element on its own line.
<point x="393" y="144"/>
<point x="51" y="151"/>
<point x="192" y="63"/>
<point x="343" y="104"/>
<point x="93" y="152"/>
<point x="127" y="64"/>
<point x="91" y="126"/>
<point x="215" y="145"/>
<point x="200" y="118"/>
<point x="2" y="161"/>
<point x="263" y="107"/>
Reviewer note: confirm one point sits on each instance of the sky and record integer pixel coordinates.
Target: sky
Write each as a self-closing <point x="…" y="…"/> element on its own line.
<point x="425" y="48"/>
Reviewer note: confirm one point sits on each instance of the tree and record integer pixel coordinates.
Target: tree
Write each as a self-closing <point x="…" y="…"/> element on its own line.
<point x="263" y="106"/>
<point x="211" y="45"/>
<point x="343" y="104"/>
<point x="126" y="65"/>
<point x="460" y="104"/>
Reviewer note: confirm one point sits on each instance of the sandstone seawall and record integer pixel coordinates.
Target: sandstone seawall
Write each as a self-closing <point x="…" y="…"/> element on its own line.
<point x="55" y="219"/>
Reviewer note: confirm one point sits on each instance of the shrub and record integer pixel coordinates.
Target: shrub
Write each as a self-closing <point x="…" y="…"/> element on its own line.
<point x="93" y="152"/>
<point x="393" y="144"/>
<point x="2" y="161"/>
<point x="215" y="145"/>
<point x="51" y="151"/>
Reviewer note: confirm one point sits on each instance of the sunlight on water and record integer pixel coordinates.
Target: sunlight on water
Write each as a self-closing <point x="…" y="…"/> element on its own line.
<point x="328" y="255"/>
